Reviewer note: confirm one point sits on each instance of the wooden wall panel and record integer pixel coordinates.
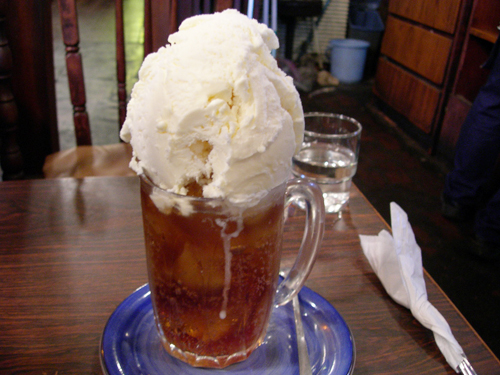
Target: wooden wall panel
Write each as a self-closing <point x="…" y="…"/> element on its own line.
<point x="486" y="19"/>
<point x="456" y="112"/>
<point x="29" y="31"/>
<point x="472" y="76"/>
<point x="221" y="5"/>
<point x="412" y="97"/>
<point x="429" y="53"/>
<point x="441" y="15"/>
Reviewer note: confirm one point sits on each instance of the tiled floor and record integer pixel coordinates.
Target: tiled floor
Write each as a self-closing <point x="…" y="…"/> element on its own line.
<point x="391" y="168"/>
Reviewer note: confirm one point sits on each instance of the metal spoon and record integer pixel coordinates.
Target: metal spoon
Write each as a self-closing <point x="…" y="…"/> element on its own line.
<point x="304" y="363"/>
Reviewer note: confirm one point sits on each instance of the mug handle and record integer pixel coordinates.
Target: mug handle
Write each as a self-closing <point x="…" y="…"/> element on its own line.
<point x="308" y="191"/>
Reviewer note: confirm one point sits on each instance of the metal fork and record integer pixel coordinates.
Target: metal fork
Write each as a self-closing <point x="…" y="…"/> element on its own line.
<point x="465" y="368"/>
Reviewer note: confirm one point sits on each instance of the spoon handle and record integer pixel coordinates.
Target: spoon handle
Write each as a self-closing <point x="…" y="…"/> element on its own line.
<point x="304" y="363"/>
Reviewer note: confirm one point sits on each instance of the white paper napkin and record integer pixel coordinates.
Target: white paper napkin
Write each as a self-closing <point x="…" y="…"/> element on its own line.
<point x="397" y="261"/>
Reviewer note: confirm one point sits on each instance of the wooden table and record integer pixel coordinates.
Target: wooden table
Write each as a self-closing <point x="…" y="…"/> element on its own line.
<point x="72" y="250"/>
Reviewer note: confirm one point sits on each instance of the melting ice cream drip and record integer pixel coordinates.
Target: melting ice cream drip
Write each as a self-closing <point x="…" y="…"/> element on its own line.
<point x="226" y="238"/>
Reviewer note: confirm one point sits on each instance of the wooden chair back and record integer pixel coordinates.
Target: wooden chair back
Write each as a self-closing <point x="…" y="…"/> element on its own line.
<point x="161" y="18"/>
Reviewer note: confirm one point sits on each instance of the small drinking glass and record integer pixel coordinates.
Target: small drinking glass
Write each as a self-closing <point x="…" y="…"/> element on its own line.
<point x="329" y="156"/>
<point x="214" y="268"/>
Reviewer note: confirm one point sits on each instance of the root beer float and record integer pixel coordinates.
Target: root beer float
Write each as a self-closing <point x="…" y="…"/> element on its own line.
<point x="214" y="124"/>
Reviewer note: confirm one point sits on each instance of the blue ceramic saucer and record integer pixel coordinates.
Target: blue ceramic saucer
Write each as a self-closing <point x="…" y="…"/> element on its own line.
<point x="130" y="343"/>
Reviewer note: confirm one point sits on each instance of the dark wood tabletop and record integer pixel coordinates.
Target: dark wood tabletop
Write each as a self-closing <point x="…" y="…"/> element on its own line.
<point x="72" y="249"/>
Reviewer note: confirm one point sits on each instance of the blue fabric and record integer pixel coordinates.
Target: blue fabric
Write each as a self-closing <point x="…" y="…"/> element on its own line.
<point x="477" y="150"/>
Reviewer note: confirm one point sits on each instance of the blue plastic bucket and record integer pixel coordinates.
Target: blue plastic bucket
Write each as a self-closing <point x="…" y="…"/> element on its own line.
<point x="347" y="59"/>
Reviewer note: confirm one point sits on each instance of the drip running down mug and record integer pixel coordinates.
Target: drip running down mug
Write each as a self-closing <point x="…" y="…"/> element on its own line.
<point x="214" y="266"/>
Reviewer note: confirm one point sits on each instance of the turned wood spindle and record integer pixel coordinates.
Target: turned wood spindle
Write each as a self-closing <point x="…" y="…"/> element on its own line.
<point x="74" y="67"/>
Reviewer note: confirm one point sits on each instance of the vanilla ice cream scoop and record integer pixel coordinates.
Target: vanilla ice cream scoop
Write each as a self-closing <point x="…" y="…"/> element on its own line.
<point x="212" y="111"/>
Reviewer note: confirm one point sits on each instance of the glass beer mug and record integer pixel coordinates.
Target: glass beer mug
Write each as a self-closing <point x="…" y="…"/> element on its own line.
<point x="214" y="268"/>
